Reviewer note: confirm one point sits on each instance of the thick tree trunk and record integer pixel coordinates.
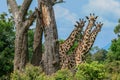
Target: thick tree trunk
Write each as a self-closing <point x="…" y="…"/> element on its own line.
<point x="37" y="46"/>
<point x="22" y="25"/>
<point x="24" y="54"/>
<point x="51" y="55"/>
<point x="21" y="50"/>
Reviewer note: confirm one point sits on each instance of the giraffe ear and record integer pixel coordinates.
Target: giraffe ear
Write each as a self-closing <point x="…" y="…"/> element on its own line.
<point x="77" y="22"/>
<point x="90" y="14"/>
<point x="96" y="17"/>
<point x="87" y="17"/>
<point x="75" y="25"/>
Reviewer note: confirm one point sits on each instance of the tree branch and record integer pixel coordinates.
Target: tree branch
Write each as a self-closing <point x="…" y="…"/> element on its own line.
<point x="24" y="8"/>
<point x="13" y="6"/>
<point x="30" y="20"/>
<point x="57" y="1"/>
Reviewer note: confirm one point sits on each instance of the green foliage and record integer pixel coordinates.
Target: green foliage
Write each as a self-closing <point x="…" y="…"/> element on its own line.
<point x="92" y="71"/>
<point x="117" y="28"/>
<point x="6" y="46"/>
<point x="64" y="75"/>
<point x="30" y="73"/>
<point x="100" y="55"/>
<point x="88" y="57"/>
<point x="85" y="71"/>
<point x="112" y="63"/>
<point x="114" y="52"/>
<point x="73" y="47"/>
<point x="113" y="70"/>
<point x="113" y="67"/>
<point x="30" y="42"/>
<point x="35" y="73"/>
<point x="61" y="41"/>
<point x="96" y="54"/>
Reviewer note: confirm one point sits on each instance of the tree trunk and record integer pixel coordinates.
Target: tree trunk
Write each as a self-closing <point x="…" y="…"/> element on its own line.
<point x="37" y="46"/>
<point x="51" y="55"/>
<point x="22" y="25"/>
<point x="21" y="50"/>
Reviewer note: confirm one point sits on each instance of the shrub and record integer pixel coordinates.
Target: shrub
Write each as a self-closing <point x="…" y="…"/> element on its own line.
<point x="92" y="71"/>
<point x="35" y="73"/>
<point x="64" y="74"/>
<point x="113" y="70"/>
<point x="30" y="73"/>
<point x="85" y="71"/>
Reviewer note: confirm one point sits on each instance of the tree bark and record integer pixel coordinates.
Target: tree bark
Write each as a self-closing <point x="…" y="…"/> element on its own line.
<point x="37" y="46"/>
<point x="51" y="55"/>
<point x="22" y="26"/>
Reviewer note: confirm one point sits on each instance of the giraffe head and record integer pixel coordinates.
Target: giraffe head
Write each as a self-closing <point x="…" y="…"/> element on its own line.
<point x="92" y="18"/>
<point x="98" y="26"/>
<point x="80" y="24"/>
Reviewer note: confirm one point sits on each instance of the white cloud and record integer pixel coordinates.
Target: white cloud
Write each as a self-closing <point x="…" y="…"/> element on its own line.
<point x="107" y="10"/>
<point x="104" y="7"/>
<point x="65" y="14"/>
<point x="107" y="23"/>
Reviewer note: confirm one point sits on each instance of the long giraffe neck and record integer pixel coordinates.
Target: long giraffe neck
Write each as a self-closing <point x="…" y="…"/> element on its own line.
<point x="91" y="23"/>
<point x="93" y="35"/>
<point x="70" y="59"/>
<point x="81" y="49"/>
<point x="66" y="45"/>
<point x="67" y="62"/>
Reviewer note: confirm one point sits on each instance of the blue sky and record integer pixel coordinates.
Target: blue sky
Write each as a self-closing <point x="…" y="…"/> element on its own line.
<point x="69" y="12"/>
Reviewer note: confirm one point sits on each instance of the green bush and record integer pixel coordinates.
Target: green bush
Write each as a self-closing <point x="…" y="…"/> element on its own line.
<point x="64" y="75"/>
<point x="6" y="46"/>
<point x="85" y="71"/>
<point x="30" y="73"/>
<point x="92" y="71"/>
<point x="35" y="73"/>
<point x="113" y="67"/>
<point x="113" y="70"/>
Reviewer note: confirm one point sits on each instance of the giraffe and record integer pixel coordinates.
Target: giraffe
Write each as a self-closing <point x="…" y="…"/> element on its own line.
<point x="66" y="45"/>
<point x="92" y="37"/>
<point x="75" y="55"/>
<point x="81" y="48"/>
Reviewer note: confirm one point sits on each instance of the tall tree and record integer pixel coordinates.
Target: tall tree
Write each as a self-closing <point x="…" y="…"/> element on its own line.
<point x="22" y="25"/>
<point x="117" y="29"/>
<point x="100" y="55"/>
<point x="114" y="51"/>
<point x="51" y="54"/>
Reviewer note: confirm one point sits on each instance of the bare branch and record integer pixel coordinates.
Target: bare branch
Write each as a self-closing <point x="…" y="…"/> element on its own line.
<point x="30" y="20"/>
<point x="13" y="6"/>
<point x="57" y="1"/>
<point x="24" y="8"/>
